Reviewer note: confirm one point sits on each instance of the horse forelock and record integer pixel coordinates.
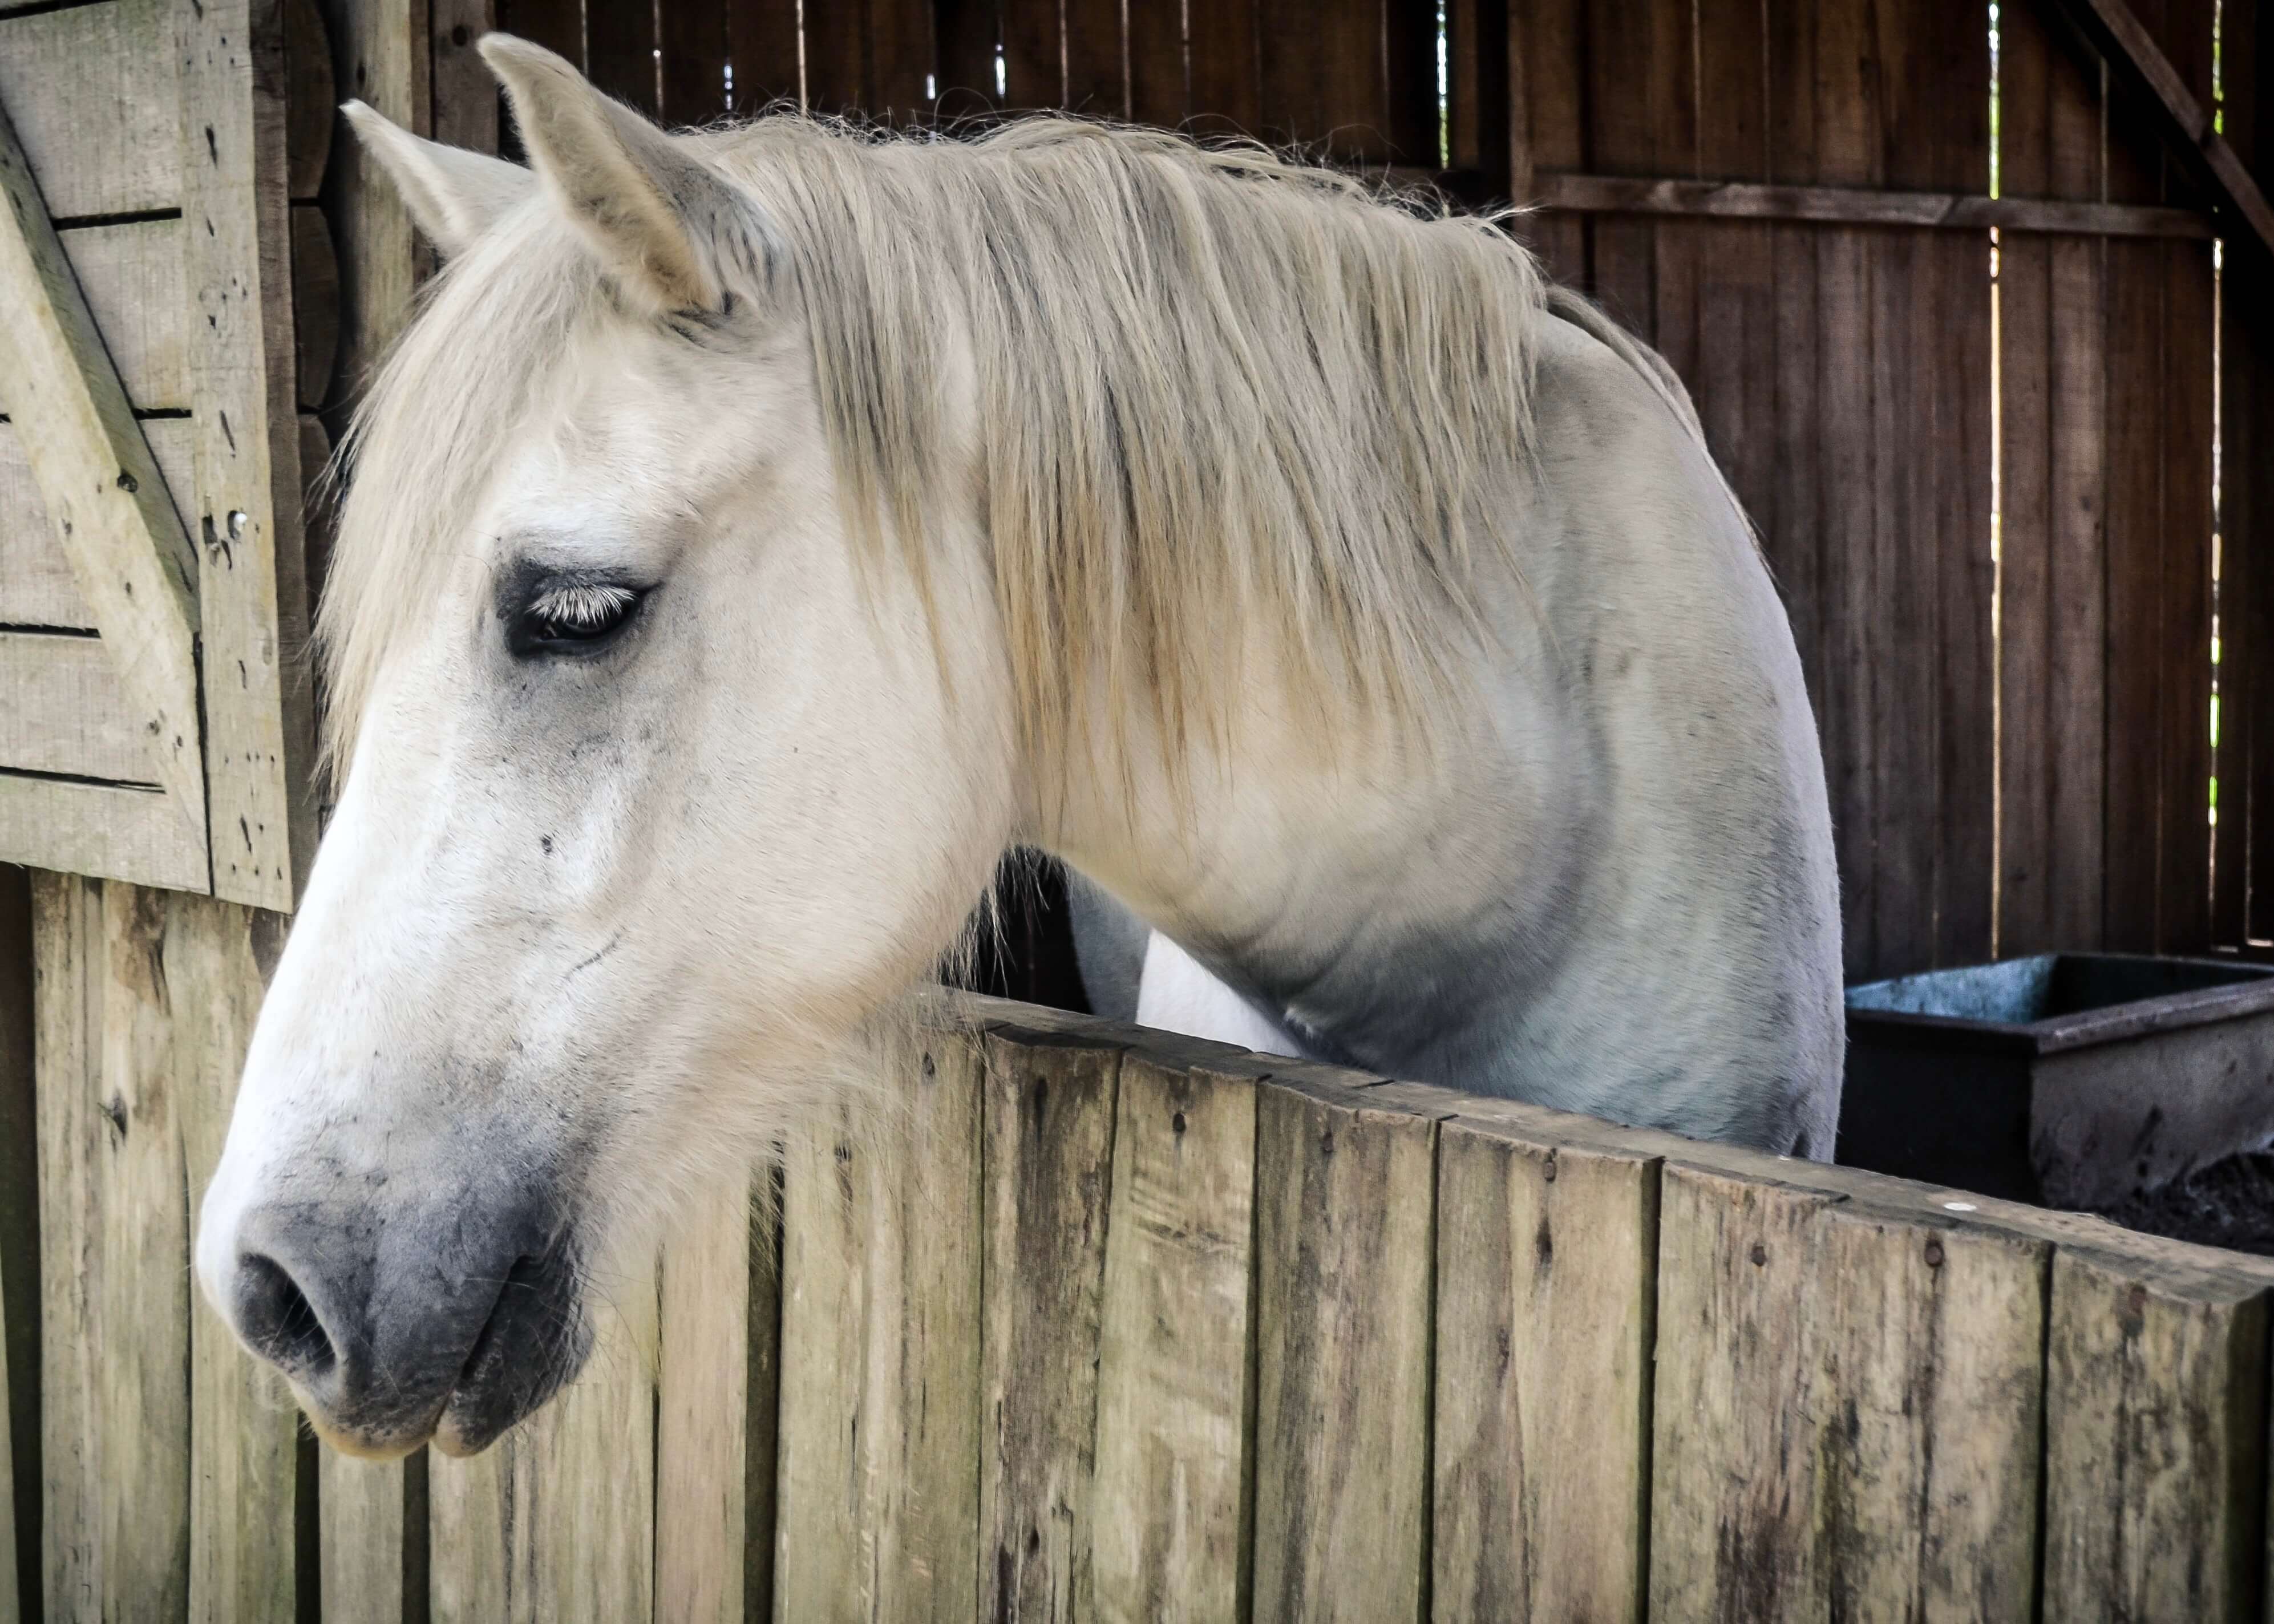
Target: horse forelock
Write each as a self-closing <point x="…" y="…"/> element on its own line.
<point x="1217" y="389"/>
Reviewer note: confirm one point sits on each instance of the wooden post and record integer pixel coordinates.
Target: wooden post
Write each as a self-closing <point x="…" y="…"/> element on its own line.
<point x="1047" y="1126"/>
<point x="1344" y="1254"/>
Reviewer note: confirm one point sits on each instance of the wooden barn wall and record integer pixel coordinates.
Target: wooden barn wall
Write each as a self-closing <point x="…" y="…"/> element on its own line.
<point x="2243" y="897"/>
<point x="2018" y="743"/>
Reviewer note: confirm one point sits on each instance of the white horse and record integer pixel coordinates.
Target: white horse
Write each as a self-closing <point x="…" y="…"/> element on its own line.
<point x="759" y="532"/>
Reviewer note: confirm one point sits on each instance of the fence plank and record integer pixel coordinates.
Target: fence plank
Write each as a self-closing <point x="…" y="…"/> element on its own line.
<point x="1544" y="1247"/>
<point x="1047" y="1147"/>
<point x="715" y="1422"/>
<point x="1733" y="1462"/>
<point x="1176" y="1415"/>
<point x="248" y="1509"/>
<point x="880" y="1442"/>
<point x="817" y="1556"/>
<point x="115" y="1264"/>
<point x="1344" y="1249"/>
<point x="559" y="1515"/>
<point x="2156" y="1438"/>
<point x="371" y="1523"/>
<point x="90" y="91"/>
<point x="1932" y="1370"/>
<point x="383" y="49"/>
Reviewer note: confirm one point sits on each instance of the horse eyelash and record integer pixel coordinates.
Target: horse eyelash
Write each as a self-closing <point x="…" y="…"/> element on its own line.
<point x="581" y="603"/>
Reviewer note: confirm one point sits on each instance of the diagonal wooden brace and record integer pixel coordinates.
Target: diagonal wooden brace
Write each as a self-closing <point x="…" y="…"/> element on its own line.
<point x="108" y="502"/>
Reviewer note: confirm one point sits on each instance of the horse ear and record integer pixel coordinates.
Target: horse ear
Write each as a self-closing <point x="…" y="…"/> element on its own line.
<point x="453" y="195"/>
<point x="666" y="223"/>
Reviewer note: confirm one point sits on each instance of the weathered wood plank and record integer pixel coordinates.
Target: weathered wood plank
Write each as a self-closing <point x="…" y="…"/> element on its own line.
<point x="380" y="54"/>
<point x="1344" y="1254"/>
<point x="372" y="1519"/>
<point x="130" y="834"/>
<point x="715" y="1420"/>
<point x="556" y="1520"/>
<point x="114" y="1270"/>
<point x="1544" y="1248"/>
<point x="1932" y="1338"/>
<point x="1176" y="1449"/>
<point x="19" y="1240"/>
<point x="466" y="103"/>
<point x="62" y="711"/>
<point x="91" y="91"/>
<point x="131" y="274"/>
<point x="1736" y="1532"/>
<point x="695" y="58"/>
<point x="252" y="598"/>
<point x="1334" y="91"/>
<point x="826" y="1214"/>
<point x="1725" y="200"/>
<point x="128" y="555"/>
<point x="922" y="1344"/>
<point x="880" y="1415"/>
<point x="248" y="1508"/>
<point x="1047" y="1128"/>
<point x="2155" y="1439"/>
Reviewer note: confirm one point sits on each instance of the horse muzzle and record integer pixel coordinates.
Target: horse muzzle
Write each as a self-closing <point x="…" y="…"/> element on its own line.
<point x="395" y="1327"/>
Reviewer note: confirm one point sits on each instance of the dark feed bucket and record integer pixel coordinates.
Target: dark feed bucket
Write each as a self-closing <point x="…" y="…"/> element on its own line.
<point x="2069" y="1080"/>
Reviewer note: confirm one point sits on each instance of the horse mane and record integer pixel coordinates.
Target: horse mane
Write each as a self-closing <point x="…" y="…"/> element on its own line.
<point x="1217" y="389"/>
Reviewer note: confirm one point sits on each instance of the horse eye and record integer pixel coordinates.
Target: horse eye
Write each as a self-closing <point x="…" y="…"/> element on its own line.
<point x="575" y="618"/>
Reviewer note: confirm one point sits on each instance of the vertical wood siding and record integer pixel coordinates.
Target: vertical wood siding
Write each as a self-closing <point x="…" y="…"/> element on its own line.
<point x="2018" y="745"/>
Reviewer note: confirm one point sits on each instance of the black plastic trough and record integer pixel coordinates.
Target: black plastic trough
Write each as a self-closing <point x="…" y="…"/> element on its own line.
<point x="2067" y="1079"/>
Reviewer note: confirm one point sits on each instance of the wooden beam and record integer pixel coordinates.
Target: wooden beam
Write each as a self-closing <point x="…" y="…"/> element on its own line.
<point x="1614" y="194"/>
<point x="103" y="492"/>
<point x="2134" y="57"/>
<point x="253" y="610"/>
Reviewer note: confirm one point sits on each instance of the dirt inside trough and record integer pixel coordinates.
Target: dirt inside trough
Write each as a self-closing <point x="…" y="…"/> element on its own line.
<point x="2228" y="1203"/>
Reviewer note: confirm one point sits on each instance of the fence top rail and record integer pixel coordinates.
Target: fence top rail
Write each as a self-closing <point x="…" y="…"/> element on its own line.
<point x="2177" y="1267"/>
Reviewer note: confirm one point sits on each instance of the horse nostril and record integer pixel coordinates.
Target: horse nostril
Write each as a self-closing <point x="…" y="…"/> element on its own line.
<point x="274" y="1317"/>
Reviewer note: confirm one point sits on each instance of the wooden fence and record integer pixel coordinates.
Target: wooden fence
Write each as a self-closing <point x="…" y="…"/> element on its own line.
<point x="1129" y="1327"/>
